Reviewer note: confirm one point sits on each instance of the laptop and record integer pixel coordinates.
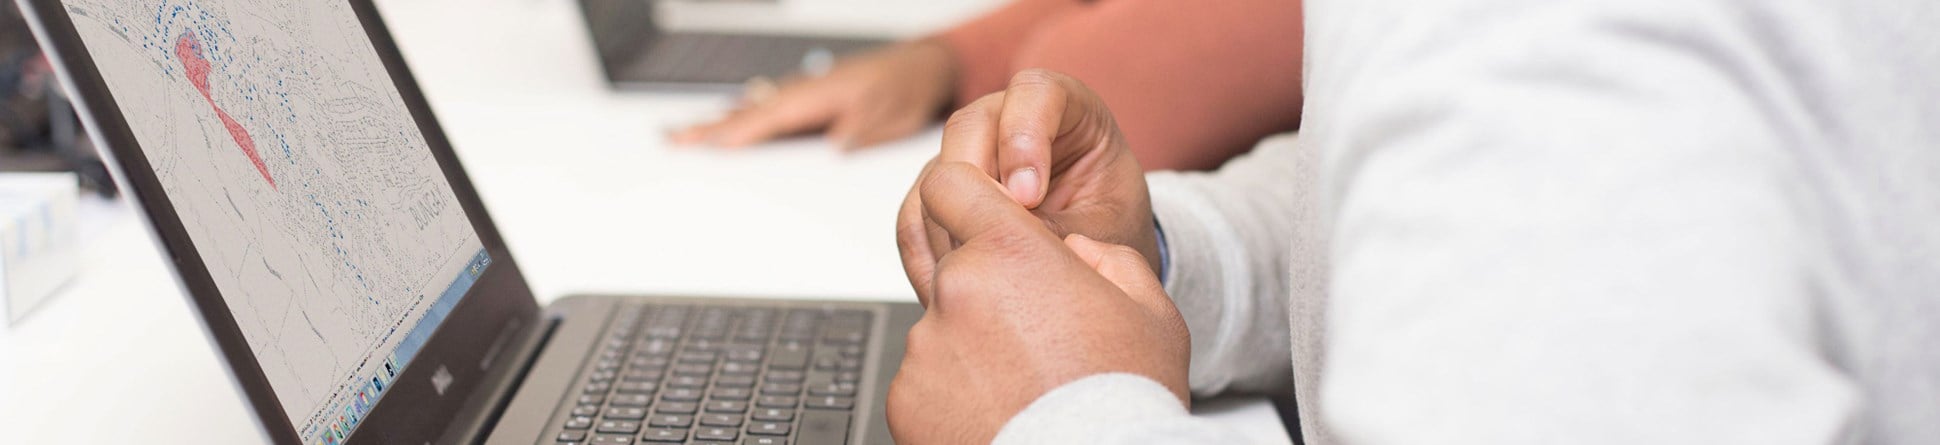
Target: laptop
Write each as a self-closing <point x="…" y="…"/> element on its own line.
<point x="636" y="53"/>
<point x="346" y="271"/>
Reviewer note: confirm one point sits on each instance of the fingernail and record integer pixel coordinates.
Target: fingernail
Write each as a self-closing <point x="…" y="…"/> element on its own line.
<point x="1023" y="185"/>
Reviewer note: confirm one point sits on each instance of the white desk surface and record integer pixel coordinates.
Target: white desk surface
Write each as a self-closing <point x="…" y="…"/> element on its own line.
<point x="581" y="183"/>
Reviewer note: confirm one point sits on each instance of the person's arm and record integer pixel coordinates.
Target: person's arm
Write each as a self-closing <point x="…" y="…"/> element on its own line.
<point x="1571" y="222"/>
<point x="986" y="47"/>
<point x="1191" y="84"/>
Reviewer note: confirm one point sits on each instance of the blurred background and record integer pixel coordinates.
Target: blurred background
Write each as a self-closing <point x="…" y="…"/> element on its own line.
<point x="38" y="130"/>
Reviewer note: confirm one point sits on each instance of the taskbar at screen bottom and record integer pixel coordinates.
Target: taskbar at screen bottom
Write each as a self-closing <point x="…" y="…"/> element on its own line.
<point x="355" y="403"/>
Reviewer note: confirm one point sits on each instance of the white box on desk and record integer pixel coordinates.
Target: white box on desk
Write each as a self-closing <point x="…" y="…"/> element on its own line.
<point x="38" y="249"/>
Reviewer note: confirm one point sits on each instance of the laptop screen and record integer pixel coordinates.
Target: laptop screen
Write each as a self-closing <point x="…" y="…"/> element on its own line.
<point x="303" y="181"/>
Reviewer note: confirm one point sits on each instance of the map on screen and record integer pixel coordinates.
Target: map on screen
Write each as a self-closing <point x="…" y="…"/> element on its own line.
<point x="303" y="182"/>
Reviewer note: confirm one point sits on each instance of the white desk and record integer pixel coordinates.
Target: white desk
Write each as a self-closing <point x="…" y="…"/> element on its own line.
<point x="580" y="182"/>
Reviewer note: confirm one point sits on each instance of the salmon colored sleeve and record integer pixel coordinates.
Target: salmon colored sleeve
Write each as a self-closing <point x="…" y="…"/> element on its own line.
<point x="986" y="47"/>
<point x="1191" y="83"/>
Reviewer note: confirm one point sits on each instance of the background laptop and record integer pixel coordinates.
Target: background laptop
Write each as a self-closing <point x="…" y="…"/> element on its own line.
<point x="635" y="51"/>
<point x="343" y="265"/>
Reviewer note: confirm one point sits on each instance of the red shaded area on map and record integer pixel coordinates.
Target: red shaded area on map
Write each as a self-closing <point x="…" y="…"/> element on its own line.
<point x="197" y="68"/>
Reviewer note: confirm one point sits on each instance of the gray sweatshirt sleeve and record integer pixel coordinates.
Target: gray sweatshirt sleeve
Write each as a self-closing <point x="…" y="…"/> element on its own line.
<point x="1228" y="235"/>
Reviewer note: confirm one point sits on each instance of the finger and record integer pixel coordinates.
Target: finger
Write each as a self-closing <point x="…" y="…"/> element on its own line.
<point x="1122" y="266"/>
<point x="1047" y="118"/>
<point x="874" y="125"/>
<point x="912" y="242"/>
<point x="968" y="204"/>
<point x="794" y="110"/>
<point x="842" y="132"/>
<point x="695" y="134"/>
<point x="970" y="136"/>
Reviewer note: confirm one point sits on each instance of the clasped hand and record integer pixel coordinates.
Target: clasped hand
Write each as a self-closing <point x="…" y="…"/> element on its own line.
<point x="1029" y="242"/>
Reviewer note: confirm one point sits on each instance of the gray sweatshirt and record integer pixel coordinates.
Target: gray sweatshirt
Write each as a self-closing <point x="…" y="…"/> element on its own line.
<point x="1556" y="221"/>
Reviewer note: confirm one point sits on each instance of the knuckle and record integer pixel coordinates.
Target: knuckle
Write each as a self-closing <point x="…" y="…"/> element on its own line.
<point x="967" y="119"/>
<point x="950" y="280"/>
<point x="1035" y="77"/>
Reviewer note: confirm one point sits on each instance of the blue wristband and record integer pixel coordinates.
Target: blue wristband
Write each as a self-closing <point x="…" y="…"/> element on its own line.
<point x="1165" y="255"/>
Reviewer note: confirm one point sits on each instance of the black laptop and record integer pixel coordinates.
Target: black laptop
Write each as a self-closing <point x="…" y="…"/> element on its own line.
<point x="344" y="267"/>
<point x="636" y="53"/>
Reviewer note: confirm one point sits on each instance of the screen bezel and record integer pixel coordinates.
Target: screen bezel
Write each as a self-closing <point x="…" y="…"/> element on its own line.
<point x="411" y="410"/>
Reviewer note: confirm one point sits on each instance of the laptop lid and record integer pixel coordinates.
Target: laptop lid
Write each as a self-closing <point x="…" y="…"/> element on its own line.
<point x="311" y="207"/>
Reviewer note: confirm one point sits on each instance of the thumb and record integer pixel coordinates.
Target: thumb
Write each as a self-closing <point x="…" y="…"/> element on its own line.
<point x="1124" y="267"/>
<point x="1048" y="120"/>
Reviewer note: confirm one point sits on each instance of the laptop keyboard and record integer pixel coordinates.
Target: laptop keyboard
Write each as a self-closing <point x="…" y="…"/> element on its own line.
<point x="720" y="375"/>
<point x="708" y="57"/>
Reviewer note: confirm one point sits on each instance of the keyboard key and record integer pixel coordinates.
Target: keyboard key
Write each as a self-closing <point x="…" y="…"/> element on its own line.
<point x="648" y="362"/>
<point x="665" y="435"/>
<point x="832" y="389"/>
<point x="739" y="368"/>
<point x="610" y="439"/>
<point x="579" y="423"/>
<point x="716" y="433"/>
<point x="693" y="370"/>
<point x="776" y="402"/>
<point x="824" y="427"/>
<point x="591" y="399"/>
<point x="688" y="381"/>
<point x="770" y="429"/>
<point x="676" y="408"/>
<point x="671" y="420"/>
<point x="626" y="413"/>
<point x="641" y="375"/>
<point x="663" y="332"/>
<point x="727" y="420"/>
<point x="596" y="388"/>
<point x="850" y="377"/>
<point x="727" y="406"/>
<point x="730" y="394"/>
<point x="765" y="440"/>
<point x="785" y="376"/>
<point x="789" y="356"/>
<point x="619" y="427"/>
<point x="637" y="387"/>
<point x="632" y="399"/>
<point x="781" y="389"/>
<point x="830" y="402"/>
<point x="572" y="436"/>
<point x="586" y="410"/>
<point x="655" y="347"/>
<point x="775" y="414"/>
<point x="734" y="381"/>
<point x="681" y="395"/>
<point x="744" y="355"/>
